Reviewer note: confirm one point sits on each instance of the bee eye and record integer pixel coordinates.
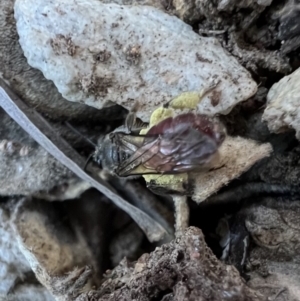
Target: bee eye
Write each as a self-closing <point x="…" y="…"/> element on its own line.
<point x="124" y="156"/>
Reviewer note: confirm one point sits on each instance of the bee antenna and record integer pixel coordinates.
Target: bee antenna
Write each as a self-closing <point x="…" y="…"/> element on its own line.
<point x="88" y="160"/>
<point x="80" y="134"/>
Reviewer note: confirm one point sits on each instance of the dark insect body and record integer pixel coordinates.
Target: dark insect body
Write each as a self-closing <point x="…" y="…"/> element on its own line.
<point x="185" y="143"/>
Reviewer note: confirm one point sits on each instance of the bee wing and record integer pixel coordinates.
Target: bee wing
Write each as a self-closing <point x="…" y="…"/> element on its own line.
<point x="171" y="152"/>
<point x="138" y="158"/>
<point x="128" y="143"/>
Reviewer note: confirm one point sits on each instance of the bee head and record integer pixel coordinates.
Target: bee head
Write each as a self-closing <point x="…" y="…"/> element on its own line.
<point x="106" y="153"/>
<point x="98" y="154"/>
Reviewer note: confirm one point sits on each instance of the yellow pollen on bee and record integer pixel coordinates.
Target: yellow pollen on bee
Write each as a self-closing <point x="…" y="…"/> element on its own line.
<point x="187" y="100"/>
<point x="174" y="182"/>
<point x="157" y="116"/>
<point x="191" y="99"/>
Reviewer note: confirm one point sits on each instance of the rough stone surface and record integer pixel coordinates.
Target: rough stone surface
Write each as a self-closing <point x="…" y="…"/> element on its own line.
<point x="63" y="243"/>
<point x="275" y="262"/>
<point x="14" y="268"/>
<point x="100" y="53"/>
<point x="283" y="111"/>
<point x="30" y="84"/>
<point x="184" y="269"/>
<point x="264" y="237"/>
<point x="26" y="168"/>
<point x="279" y="169"/>
<point x="194" y="10"/>
<point x="239" y="27"/>
<point x="237" y="156"/>
<point x="32" y="173"/>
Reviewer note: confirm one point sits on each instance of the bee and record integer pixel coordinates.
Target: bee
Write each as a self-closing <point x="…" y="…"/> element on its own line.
<point x="169" y="150"/>
<point x="188" y="142"/>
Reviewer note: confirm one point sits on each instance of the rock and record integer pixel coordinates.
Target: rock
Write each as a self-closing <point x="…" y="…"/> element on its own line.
<point x="185" y="269"/>
<point x="15" y="271"/>
<point x="274" y="258"/>
<point x="99" y="54"/>
<point x="283" y="111"/>
<point x="197" y="10"/>
<point x="64" y="244"/>
<point x="30" y="84"/>
<point x="237" y="156"/>
<point x="26" y="168"/>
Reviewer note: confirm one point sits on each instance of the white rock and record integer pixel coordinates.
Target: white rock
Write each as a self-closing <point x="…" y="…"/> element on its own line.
<point x="237" y="155"/>
<point x="283" y="105"/>
<point x="14" y="266"/>
<point x="100" y="53"/>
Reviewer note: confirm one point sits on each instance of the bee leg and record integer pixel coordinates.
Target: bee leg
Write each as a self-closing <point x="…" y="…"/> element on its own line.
<point x="79" y="134"/>
<point x="191" y="99"/>
<point x="130" y="121"/>
<point x="88" y="160"/>
<point x="182" y="214"/>
<point x="209" y="88"/>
